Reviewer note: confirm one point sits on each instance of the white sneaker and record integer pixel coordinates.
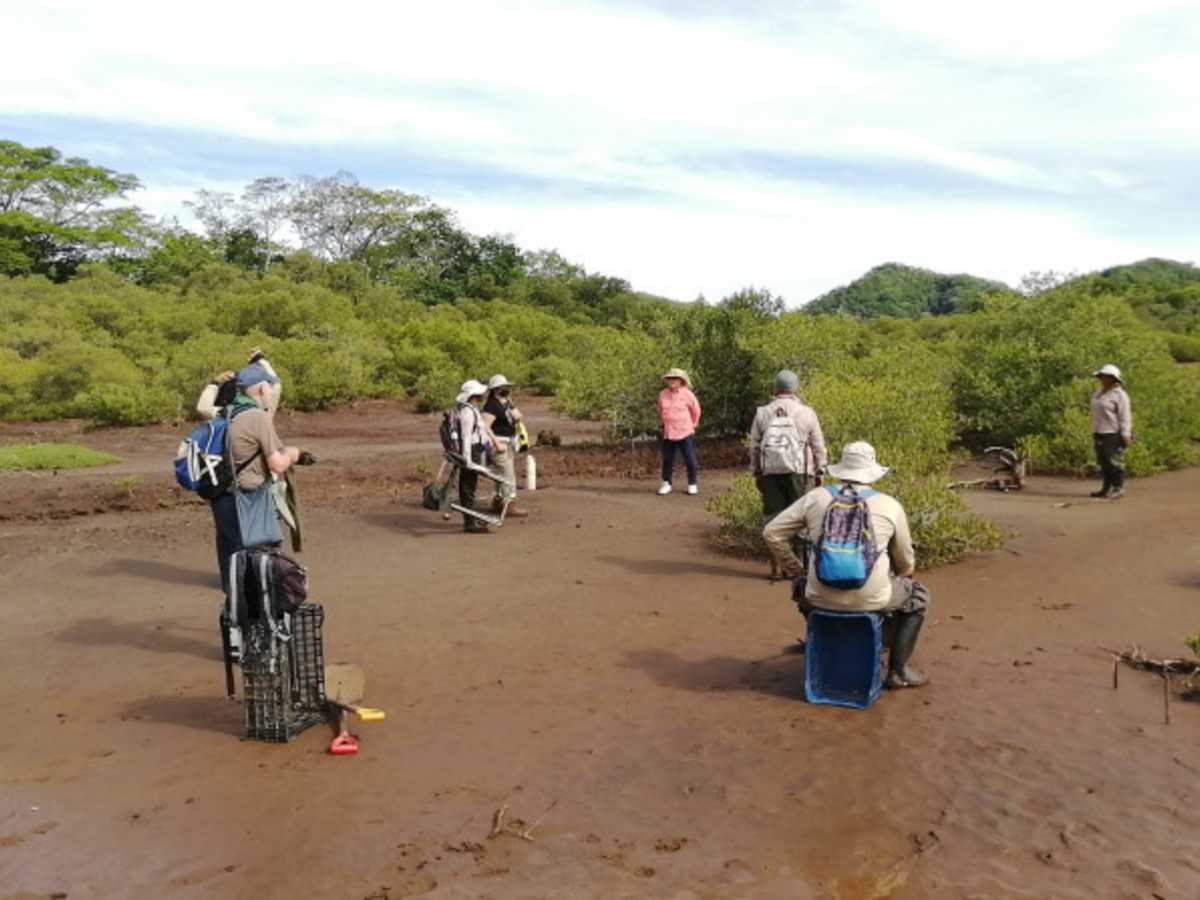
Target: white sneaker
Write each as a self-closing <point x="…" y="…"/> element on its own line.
<point x="693" y="489"/>
<point x="664" y="488"/>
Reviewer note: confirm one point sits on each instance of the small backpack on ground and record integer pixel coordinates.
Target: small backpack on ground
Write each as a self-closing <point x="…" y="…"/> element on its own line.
<point x="202" y="463"/>
<point x="264" y="586"/>
<point x="450" y="432"/>
<point x="782" y="450"/>
<point x="846" y="552"/>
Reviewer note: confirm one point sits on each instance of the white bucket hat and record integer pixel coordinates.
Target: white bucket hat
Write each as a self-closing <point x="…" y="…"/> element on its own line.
<point x="471" y="388"/>
<point x="858" y="464"/>
<point x="680" y="374"/>
<point x="498" y="381"/>
<point x="1109" y="369"/>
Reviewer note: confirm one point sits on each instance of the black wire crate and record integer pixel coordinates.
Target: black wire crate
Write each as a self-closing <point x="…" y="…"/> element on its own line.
<point x="284" y="681"/>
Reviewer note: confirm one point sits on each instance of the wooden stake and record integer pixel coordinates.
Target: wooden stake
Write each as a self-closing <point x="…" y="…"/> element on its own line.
<point x="1116" y="670"/>
<point x="1166" y="699"/>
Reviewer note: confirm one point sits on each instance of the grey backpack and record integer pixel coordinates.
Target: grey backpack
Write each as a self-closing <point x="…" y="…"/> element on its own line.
<point x="782" y="451"/>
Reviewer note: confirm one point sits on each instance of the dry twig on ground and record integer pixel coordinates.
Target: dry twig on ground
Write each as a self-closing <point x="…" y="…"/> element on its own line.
<point x="517" y="827"/>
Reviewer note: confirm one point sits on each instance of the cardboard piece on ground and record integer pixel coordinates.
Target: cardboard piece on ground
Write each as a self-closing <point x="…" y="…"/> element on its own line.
<point x="345" y="682"/>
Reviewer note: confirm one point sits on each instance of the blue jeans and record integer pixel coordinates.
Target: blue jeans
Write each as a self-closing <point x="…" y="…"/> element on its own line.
<point x="688" y="447"/>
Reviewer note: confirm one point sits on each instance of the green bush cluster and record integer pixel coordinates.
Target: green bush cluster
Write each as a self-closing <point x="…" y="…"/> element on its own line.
<point x="103" y="348"/>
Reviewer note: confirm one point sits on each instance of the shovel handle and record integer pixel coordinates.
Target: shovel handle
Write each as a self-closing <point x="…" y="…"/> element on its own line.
<point x="366" y="713"/>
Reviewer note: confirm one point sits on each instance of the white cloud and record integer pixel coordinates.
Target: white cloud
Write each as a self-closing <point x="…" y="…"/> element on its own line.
<point x="1041" y="111"/>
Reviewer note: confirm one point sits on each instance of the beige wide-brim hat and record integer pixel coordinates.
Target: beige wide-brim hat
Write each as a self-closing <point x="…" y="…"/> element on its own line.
<point x="499" y="381"/>
<point x="1110" y="370"/>
<point x="858" y="464"/>
<point x="471" y="388"/>
<point x="680" y="374"/>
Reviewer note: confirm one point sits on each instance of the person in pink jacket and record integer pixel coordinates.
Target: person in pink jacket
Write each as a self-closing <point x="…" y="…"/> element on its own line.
<point x="679" y="411"/>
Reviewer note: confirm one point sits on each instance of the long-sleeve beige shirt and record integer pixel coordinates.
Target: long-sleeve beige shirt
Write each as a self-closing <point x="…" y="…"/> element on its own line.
<point x="1111" y="413"/>
<point x="806" y="517"/>
<point x="807" y="424"/>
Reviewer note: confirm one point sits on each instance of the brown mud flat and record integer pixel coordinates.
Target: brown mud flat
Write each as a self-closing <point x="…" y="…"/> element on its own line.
<point x="599" y="664"/>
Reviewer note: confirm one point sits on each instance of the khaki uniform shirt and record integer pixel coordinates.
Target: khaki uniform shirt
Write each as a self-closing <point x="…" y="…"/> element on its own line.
<point x="1111" y="413"/>
<point x="806" y="517"/>
<point x="807" y="425"/>
<point x="250" y="432"/>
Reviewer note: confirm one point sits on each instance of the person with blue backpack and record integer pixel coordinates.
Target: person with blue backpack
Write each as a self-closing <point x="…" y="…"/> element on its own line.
<point x="862" y="559"/>
<point x="236" y="453"/>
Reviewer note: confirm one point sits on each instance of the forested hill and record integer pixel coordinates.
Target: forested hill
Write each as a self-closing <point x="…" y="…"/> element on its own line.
<point x="1158" y="274"/>
<point x="893" y="289"/>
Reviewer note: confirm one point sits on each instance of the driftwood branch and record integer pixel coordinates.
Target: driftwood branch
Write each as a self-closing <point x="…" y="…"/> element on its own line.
<point x="1164" y="668"/>
<point x="1135" y="656"/>
<point x="1009" y="466"/>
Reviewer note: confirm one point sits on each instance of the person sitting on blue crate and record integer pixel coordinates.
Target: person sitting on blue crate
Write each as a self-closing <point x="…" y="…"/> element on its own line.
<point x="889" y="588"/>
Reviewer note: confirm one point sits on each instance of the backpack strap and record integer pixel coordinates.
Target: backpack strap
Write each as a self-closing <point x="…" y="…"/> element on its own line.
<point x="837" y="491"/>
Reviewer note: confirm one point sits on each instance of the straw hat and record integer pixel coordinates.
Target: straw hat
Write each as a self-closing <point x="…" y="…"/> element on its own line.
<point x="858" y="464"/>
<point x="471" y="388"/>
<point x="1110" y="370"/>
<point x="680" y="374"/>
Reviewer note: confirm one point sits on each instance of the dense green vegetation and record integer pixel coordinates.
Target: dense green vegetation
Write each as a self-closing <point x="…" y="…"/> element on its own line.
<point x="905" y="291"/>
<point x="51" y="456"/>
<point x="381" y="294"/>
<point x="1165" y="294"/>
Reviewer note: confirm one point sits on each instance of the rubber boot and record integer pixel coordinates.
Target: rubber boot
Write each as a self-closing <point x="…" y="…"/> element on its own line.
<point x="907" y="628"/>
<point x="1118" y="486"/>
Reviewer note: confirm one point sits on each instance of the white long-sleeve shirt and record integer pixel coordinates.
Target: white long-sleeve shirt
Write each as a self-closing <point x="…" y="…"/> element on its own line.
<point x="470" y="428"/>
<point x="1111" y="413"/>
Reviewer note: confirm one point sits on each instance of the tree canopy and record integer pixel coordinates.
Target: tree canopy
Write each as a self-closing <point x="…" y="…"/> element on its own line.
<point x="901" y="291"/>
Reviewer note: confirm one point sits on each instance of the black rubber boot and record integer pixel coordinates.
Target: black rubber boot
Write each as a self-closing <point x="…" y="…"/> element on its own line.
<point x="906" y="629"/>
<point x="1118" y="486"/>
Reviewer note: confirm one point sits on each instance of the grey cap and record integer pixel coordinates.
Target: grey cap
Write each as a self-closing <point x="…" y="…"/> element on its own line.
<point x="786" y="381"/>
<point x="255" y="374"/>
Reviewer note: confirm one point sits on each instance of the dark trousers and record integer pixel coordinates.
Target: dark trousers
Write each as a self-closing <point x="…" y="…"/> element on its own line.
<point x="778" y="493"/>
<point x="688" y="448"/>
<point x="1110" y="454"/>
<point x="229" y="533"/>
<point x="781" y="491"/>
<point x="468" y="483"/>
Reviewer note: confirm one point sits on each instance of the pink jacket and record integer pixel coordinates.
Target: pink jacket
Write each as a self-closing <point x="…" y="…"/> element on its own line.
<point x="680" y="413"/>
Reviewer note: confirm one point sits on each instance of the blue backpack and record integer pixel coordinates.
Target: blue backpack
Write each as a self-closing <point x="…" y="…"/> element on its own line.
<point x="203" y="463"/>
<point x="846" y="552"/>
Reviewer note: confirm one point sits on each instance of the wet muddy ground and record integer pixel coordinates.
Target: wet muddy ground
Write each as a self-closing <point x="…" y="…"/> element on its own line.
<point x="598" y="666"/>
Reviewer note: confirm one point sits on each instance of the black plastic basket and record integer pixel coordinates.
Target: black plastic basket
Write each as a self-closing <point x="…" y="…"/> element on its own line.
<point x="284" y="681"/>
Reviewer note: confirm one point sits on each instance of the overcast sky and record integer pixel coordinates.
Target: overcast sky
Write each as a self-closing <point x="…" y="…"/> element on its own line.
<point x="690" y="147"/>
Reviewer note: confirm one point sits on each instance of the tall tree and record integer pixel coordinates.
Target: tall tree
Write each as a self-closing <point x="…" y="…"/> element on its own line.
<point x="338" y="218"/>
<point x="56" y="212"/>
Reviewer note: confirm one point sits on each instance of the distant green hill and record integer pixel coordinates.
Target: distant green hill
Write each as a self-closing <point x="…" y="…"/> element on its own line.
<point x="1164" y="293"/>
<point x="893" y="289"/>
<point x="1158" y="274"/>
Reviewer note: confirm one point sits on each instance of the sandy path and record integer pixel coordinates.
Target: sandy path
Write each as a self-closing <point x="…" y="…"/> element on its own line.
<point x="600" y="655"/>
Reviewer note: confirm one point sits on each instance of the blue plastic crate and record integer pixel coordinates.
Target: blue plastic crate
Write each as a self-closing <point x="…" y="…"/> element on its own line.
<point x="841" y="659"/>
